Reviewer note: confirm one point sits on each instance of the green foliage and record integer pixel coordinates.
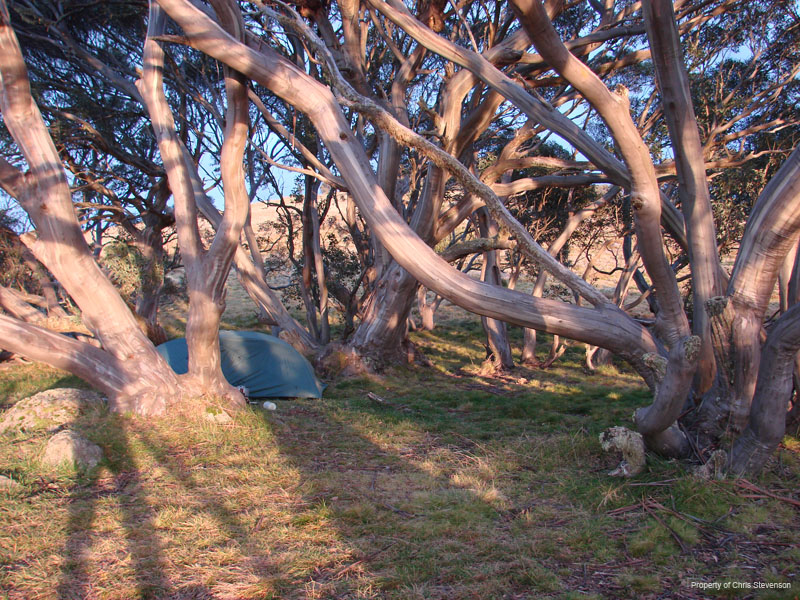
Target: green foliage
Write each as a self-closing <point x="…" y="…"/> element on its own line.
<point x="125" y="266"/>
<point x="13" y="271"/>
<point x="341" y="264"/>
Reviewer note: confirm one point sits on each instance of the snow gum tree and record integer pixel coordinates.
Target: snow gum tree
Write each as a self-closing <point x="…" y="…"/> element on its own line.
<point x="402" y="99"/>
<point x="127" y="367"/>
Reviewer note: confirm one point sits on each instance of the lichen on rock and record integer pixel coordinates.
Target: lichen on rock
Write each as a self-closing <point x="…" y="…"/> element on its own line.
<point x="69" y="448"/>
<point x="51" y="409"/>
<point x="630" y="444"/>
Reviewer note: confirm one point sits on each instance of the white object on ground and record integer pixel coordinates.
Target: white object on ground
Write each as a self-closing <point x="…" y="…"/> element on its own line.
<point x="270" y="405"/>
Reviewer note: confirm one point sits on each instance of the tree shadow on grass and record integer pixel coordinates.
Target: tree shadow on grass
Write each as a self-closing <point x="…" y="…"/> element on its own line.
<point x="323" y="508"/>
<point x="402" y="525"/>
<point x="315" y="513"/>
<point x="123" y="488"/>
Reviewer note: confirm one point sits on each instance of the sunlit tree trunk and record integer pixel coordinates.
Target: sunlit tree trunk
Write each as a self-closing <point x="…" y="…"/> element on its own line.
<point x="128" y="369"/>
<point x="206" y="269"/>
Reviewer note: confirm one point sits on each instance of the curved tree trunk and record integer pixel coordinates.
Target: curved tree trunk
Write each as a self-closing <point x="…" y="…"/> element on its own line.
<point x="605" y="325"/>
<point x="772" y="228"/>
<point x="673" y="80"/>
<point x="496" y="333"/>
<point x="773" y="388"/>
<point x="252" y="279"/>
<point x="380" y="338"/>
<point x="206" y="270"/>
<point x="772" y="231"/>
<point x="44" y="193"/>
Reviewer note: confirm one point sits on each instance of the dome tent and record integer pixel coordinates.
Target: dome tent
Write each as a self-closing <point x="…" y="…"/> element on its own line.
<point x="267" y="366"/>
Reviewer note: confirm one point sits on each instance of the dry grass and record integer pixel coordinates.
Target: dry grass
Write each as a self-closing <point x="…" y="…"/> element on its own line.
<point x="454" y="487"/>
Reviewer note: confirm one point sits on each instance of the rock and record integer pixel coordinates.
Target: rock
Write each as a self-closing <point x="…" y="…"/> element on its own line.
<point x="630" y="444"/>
<point x="50" y="409"/>
<point x="70" y="448"/>
<point x="216" y="415"/>
<point x="8" y="485"/>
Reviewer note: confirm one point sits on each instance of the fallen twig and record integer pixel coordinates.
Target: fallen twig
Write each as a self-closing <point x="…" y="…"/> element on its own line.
<point x="665" y="482"/>
<point x="344" y="570"/>
<point x="647" y="507"/>
<point x="624" y="509"/>
<point x="744" y="484"/>
<point x="377" y="398"/>
<point x="394" y="509"/>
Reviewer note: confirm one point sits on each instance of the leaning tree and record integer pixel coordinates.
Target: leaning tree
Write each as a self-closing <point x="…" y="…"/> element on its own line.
<point x="127" y="367"/>
<point x="714" y="368"/>
<point x="711" y="362"/>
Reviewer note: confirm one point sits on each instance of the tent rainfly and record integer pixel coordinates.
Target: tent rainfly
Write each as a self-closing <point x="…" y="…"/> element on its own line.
<point x="267" y="366"/>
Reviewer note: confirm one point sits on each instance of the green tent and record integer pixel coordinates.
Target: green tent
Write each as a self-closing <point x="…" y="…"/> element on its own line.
<point x="266" y="366"/>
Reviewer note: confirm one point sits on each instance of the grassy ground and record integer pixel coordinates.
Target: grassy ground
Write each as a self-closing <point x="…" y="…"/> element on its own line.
<point x="425" y="483"/>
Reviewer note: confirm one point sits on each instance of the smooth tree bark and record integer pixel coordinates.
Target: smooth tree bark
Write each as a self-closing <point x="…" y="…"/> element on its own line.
<point x="671" y="323"/>
<point x="767" y="423"/>
<point x="773" y="229"/>
<point x="128" y="369"/>
<point x="676" y="366"/>
<point x="206" y="269"/>
<point x="673" y="81"/>
<point x="265" y="66"/>
<point x="709" y="376"/>
<point x="253" y="280"/>
<point x="499" y="348"/>
<point x="313" y="272"/>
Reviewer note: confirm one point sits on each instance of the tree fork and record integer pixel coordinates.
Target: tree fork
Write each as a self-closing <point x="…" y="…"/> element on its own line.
<point x="607" y="326"/>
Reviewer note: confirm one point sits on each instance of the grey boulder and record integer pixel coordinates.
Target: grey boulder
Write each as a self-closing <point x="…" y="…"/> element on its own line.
<point x="50" y="409"/>
<point x="70" y="449"/>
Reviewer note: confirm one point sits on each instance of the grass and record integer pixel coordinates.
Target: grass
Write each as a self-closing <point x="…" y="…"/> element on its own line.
<point x="454" y="486"/>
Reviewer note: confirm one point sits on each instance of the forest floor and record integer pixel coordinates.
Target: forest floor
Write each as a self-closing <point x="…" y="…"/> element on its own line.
<point x="426" y="482"/>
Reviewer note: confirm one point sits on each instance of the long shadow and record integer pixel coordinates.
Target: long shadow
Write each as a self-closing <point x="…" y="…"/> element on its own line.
<point x="347" y="475"/>
<point x="171" y="458"/>
<point x="337" y="464"/>
<point x="75" y="581"/>
<point x="125" y="485"/>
